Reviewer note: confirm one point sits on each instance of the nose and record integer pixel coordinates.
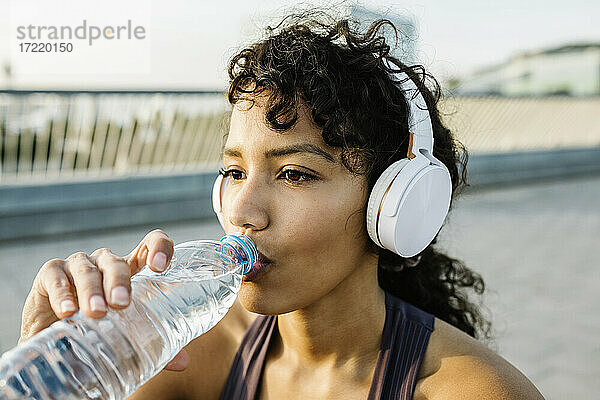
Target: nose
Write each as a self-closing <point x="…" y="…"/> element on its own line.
<point x="244" y="204"/>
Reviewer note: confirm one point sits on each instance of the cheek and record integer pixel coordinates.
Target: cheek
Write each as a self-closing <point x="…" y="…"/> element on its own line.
<point x="323" y="226"/>
<point x="325" y="238"/>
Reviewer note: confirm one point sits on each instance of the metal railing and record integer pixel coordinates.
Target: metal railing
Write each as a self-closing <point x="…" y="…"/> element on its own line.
<point x="64" y="135"/>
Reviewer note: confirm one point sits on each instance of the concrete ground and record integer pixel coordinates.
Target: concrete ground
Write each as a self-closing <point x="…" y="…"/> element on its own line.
<point x="533" y="244"/>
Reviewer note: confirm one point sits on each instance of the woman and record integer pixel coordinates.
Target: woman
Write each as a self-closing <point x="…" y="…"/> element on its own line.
<point x="317" y="117"/>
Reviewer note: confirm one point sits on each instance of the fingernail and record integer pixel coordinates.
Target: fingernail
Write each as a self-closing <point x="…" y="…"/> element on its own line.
<point x="67" y="306"/>
<point x="120" y="296"/>
<point x="159" y="261"/>
<point x="177" y="365"/>
<point x="97" y="303"/>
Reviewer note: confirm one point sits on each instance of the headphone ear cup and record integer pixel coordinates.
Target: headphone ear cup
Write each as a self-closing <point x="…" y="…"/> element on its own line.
<point x="377" y="194"/>
<point x="419" y="208"/>
<point x="217" y="194"/>
<point x="408" y="205"/>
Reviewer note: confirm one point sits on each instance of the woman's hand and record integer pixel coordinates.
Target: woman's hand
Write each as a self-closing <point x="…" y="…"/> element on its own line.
<point x="93" y="282"/>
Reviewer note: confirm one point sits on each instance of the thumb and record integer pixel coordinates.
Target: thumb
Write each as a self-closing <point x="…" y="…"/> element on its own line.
<point x="179" y="362"/>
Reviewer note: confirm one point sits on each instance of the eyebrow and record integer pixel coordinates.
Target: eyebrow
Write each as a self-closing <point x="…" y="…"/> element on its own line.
<point x="284" y="151"/>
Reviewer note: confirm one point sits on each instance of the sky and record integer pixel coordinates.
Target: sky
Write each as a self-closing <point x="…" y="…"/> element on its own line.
<point x="188" y="42"/>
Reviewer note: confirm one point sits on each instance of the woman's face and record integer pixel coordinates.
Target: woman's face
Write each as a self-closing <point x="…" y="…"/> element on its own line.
<point x="305" y="211"/>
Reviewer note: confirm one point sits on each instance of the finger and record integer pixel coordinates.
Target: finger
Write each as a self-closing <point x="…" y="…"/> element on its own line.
<point x="38" y="313"/>
<point x="116" y="277"/>
<point x="155" y="250"/>
<point x="160" y="250"/>
<point x="179" y="362"/>
<point x="55" y="284"/>
<point x="88" y="283"/>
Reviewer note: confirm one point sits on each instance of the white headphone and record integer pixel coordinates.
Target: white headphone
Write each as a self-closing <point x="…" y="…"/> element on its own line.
<point x="411" y="198"/>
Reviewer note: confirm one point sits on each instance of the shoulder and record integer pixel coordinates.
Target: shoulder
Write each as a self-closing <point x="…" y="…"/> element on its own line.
<point x="456" y="365"/>
<point x="211" y="356"/>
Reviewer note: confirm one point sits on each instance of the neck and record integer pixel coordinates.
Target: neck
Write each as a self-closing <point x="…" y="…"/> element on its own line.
<point x="342" y="327"/>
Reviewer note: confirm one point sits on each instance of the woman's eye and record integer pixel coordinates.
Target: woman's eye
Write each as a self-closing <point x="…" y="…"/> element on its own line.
<point x="233" y="173"/>
<point x="295" y="176"/>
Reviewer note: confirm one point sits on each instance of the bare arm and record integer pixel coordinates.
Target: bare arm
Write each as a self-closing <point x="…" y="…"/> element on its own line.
<point x="458" y="366"/>
<point x="469" y="377"/>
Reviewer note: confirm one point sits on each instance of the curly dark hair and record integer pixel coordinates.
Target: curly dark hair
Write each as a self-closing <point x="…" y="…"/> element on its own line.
<point x="344" y="77"/>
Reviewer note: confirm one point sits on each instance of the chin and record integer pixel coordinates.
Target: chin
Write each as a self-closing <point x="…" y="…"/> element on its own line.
<point x="257" y="300"/>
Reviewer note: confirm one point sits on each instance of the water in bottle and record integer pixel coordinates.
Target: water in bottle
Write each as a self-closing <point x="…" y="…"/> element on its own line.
<point x="85" y="358"/>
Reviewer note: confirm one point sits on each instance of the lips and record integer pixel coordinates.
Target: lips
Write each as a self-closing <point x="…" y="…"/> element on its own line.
<point x="260" y="266"/>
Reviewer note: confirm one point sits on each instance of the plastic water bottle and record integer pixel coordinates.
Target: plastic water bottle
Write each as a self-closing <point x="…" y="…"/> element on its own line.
<point x="85" y="358"/>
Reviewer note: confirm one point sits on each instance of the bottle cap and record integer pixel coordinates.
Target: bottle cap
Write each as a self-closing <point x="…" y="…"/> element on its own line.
<point x="244" y="249"/>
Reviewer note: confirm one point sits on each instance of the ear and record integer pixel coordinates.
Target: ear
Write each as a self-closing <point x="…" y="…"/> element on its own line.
<point x="217" y="195"/>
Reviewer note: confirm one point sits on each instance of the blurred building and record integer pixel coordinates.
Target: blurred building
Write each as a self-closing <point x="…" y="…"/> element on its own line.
<point x="572" y="70"/>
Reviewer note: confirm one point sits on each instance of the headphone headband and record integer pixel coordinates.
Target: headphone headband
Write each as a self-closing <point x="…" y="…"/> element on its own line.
<point x="419" y="119"/>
